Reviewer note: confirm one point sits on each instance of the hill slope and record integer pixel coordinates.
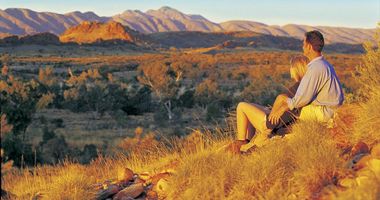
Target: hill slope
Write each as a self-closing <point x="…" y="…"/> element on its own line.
<point x="90" y="32"/>
<point x="298" y="166"/>
<point x="24" y="21"/>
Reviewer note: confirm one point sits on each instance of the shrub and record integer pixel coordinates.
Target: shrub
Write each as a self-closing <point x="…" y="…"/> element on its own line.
<point x="214" y="111"/>
<point x="187" y="99"/>
<point x="368" y="124"/>
<point x="88" y="154"/>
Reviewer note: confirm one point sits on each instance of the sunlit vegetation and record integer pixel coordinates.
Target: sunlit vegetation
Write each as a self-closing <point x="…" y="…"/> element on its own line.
<point x="169" y="93"/>
<point x="174" y="111"/>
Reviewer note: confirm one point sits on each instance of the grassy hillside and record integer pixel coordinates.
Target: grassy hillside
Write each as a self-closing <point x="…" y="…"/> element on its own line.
<point x="308" y="163"/>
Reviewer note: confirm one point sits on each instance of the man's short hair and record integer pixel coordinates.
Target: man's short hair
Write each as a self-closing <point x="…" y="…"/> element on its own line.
<point x="315" y="38"/>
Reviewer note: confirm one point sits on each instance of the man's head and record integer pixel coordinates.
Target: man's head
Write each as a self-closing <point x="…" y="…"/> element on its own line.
<point x="313" y="43"/>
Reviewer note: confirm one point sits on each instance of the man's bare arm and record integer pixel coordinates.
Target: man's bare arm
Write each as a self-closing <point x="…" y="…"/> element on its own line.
<point x="280" y="99"/>
<point x="280" y="106"/>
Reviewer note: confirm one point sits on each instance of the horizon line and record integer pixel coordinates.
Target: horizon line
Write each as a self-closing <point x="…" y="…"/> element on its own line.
<point x="224" y="21"/>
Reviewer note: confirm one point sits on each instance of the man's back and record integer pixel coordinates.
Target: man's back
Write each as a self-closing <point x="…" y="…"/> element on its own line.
<point x="329" y="91"/>
<point x="320" y="91"/>
<point x="320" y="86"/>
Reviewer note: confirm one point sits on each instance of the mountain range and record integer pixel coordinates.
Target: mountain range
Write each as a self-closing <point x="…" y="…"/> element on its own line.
<point x="20" y="21"/>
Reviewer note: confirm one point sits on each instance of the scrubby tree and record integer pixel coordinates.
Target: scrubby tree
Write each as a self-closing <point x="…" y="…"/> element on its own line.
<point x="5" y="129"/>
<point x="19" y="101"/>
<point x="139" y="100"/>
<point x="187" y="99"/>
<point x="261" y="91"/>
<point x="180" y="68"/>
<point x="206" y="93"/>
<point x="163" y="81"/>
<point x="90" y="91"/>
<point x="52" y="149"/>
<point x="213" y="100"/>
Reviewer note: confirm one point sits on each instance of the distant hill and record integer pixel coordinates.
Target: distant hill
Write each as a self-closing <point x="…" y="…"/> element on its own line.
<point x="165" y="19"/>
<point x="216" y="41"/>
<point x="37" y="39"/>
<point x="331" y="34"/>
<point x="90" y="32"/>
<point x="19" y="21"/>
<point x="193" y="39"/>
<point x="111" y="33"/>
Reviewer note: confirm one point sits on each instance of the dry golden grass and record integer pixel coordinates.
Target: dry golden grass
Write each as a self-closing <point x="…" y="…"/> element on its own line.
<point x="302" y="165"/>
<point x="368" y="124"/>
<point x="299" y="166"/>
<point x="69" y="181"/>
<point x="294" y="167"/>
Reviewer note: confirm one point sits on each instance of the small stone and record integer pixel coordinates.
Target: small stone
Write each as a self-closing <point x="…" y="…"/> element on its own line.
<point x="97" y="186"/>
<point x="159" y="176"/>
<point x="362" y="163"/>
<point x="132" y="191"/>
<point x="352" y="162"/>
<point x="348" y="183"/>
<point x="374" y="166"/>
<point x="362" y="180"/>
<point x="365" y="172"/>
<point x="151" y="195"/>
<point x="144" y="176"/>
<point x="138" y="180"/>
<point x="375" y="151"/>
<point x="107" y="192"/>
<point x="162" y="186"/>
<point x="359" y="148"/>
<point x="125" y="174"/>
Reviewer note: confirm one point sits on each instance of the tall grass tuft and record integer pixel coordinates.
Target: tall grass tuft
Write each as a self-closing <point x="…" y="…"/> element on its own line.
<point x="368" y="124"/>
<point x="316" y="158"/>
<point x="298" y="166"/>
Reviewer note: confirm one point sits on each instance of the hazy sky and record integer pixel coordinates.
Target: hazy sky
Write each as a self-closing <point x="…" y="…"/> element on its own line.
<point x="348" y="13"/>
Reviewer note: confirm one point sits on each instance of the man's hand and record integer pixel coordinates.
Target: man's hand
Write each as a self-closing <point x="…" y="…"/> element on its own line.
<point x="279" y="108"/>
<point x="275" y="115"/>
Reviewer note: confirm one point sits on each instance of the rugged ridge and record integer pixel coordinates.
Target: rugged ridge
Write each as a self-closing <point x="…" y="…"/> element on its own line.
<point x="90" y="32"/>
<point x="35" y="39"/>
<point x="19" y="21"/>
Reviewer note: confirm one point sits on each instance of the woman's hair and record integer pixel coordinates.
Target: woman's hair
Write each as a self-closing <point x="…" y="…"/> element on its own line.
<point x="298" y="67"/>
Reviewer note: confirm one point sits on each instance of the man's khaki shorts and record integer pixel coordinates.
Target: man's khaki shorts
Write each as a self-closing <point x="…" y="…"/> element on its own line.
<point x="322" y="114"/>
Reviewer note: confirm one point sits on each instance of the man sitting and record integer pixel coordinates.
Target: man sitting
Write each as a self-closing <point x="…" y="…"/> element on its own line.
<point x="319" y="92"/>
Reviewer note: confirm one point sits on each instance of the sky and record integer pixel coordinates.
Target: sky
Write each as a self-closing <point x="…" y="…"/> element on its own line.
<point x="344" y="13"/>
